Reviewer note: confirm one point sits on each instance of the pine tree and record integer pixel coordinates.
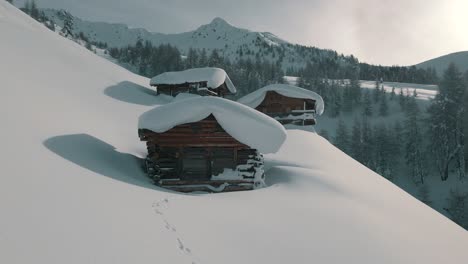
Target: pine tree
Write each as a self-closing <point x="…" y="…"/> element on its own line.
<point x="458" y="207"/>
<point x="341" y="140"/>
<point x="465" y="118"/>
<point x="347" y="99"/>
<point x="376" y="92"/>
<point x="382" y="154"/>
<point x="215" y="60"/>
<point x="355" y="90"/>
<point x="192" y="59"/>
<point x="367" y="104"/>
<point x="367" y="144"/>
<point x="383" y="108"/>
<point x="446" y="128"/>
<point x="392" y="94"/>
<point x="34" y="11"/>
<point x="414" y="156"/>
<point x="402" y="99"/>
<point x="27" y="7"/>
<point x="356" y="142"/>
<point x="67" y="29"/>
<point x="203" y="62"/>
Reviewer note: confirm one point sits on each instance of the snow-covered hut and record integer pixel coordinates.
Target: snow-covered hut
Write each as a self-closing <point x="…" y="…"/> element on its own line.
<point x="208" y="144"/>
<point x="286" y="103"/>
<point x="202" y="81"/>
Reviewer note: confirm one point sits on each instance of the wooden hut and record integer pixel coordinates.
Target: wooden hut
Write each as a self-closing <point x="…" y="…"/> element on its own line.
<point x="286" y="103"/>
<point x="201" y="81"/>
<point x="200" y="144"/>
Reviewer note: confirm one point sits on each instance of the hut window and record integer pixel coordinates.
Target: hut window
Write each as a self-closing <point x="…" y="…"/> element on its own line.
<point x="309" y="105"/>
<point x="222" y="158"/>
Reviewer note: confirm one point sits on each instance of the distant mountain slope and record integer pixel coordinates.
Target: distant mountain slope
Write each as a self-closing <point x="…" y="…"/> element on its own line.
<point x="72" y="189"/>
<point x="231" y="41"/>
<point x="441" y="63"/>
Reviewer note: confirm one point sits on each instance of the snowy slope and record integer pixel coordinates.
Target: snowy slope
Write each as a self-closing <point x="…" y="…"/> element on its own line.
<point x="440" y="64"/>
<point x="72" y="191"/>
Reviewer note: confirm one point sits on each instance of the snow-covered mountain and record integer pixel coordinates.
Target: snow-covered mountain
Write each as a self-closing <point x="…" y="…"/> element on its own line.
<point x="231" y="41"/>
<point x="72" y="189"/>
<point x="440" y="64"/>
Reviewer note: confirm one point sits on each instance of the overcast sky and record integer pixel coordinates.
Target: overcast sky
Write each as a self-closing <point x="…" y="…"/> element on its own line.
<point x="387" y="32"/>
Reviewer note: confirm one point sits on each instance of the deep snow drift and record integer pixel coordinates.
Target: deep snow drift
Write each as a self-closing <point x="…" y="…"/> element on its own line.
<point x="72" y="189"/>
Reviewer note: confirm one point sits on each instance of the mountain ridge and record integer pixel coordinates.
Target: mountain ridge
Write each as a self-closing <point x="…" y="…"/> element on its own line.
<point x="460" y="58"/>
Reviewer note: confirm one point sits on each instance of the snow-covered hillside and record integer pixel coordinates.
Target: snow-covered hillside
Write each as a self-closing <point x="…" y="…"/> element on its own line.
<point x="72" y="189"/>
<point x="233" y="42"/>
<point x="218" y="34"/>
<point x="440" y="64"/>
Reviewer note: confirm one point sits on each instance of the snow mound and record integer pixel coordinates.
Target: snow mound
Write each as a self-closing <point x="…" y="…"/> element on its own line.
<point x="214" y="77"/>
<point x="245" y="124"/>
<point x="255" y="99"/>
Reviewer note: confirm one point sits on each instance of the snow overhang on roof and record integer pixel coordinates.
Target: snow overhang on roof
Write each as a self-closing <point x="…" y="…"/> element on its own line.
<point x="215" y="77"/>
<point x="256" y="98"/>
<point x="243" y="123"/>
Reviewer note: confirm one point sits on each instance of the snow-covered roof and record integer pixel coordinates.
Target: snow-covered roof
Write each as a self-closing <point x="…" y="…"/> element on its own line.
<point x="256" y="98"/>
<point x="245" y="124"/>
<point x="214" y="77"/>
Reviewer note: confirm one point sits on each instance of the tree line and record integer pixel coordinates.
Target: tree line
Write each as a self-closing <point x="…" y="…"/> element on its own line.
<point x="149" y="60"/>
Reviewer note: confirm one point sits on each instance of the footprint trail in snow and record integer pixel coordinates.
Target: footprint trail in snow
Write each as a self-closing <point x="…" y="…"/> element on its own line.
<point x="160" y="209"/>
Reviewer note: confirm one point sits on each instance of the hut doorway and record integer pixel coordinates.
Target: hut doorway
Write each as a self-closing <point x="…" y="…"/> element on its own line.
<point x="195" y="165"/>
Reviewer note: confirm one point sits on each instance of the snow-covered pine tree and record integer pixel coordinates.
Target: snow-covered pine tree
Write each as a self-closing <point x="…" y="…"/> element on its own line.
<point x="355" y="90"/>
<point x="367" y="144"/>
<point x="203" y="62"/>
<point x="414" y="155"/>
<point x="465" y="131"/>
<point x="458" y="207"/>
<point x="401" y="99"/>
<point x="392" y="94"/>
<point x="376" y="93"/>
<point x="382" y="148"/>
<point x="367" y="104"/>
<point x="192" y="59"/>
<point x="356" y="141"/>
<point x="446" y="125"/>
<point x="27" y="7"/>
<point x="347" y="99"/>
<point x="215" y="59"/>
<point x="67" y="29"/>
<point x="34" y="11"/>
<point x="341" y="140"/>
<point x="383" y="107"/>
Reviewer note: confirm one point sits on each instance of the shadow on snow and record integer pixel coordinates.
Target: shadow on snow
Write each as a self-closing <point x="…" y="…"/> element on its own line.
<point x="133" y="93"/>
<point x="98" y="156"/>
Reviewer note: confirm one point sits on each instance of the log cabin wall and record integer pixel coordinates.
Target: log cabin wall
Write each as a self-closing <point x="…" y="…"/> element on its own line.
<point x="194" y="152"/>
<point x="281" y="107"/>
<point x="275" y="103"/>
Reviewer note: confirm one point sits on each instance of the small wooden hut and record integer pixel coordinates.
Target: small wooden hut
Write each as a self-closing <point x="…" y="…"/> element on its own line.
<point x="201" y="81"/>
<point x="286" y="103"/>
<point x="200" y="144"/>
